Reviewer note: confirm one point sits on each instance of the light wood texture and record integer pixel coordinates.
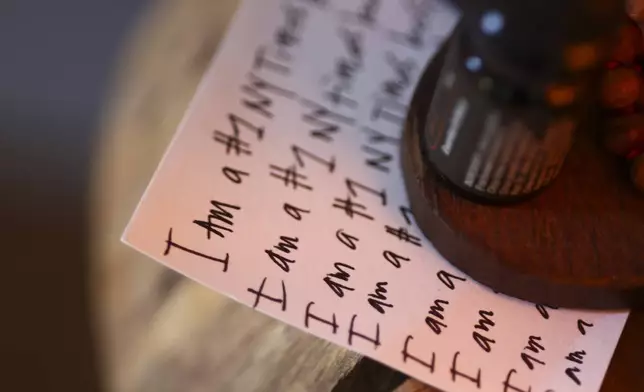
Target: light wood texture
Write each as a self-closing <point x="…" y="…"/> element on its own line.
<point x="159" y="331"/>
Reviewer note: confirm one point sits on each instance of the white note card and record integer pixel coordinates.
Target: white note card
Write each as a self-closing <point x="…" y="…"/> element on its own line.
<point x="283" y="190"/>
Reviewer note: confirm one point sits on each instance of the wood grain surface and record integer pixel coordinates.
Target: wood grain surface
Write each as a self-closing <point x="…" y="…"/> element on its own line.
<point x="161" y="332"/>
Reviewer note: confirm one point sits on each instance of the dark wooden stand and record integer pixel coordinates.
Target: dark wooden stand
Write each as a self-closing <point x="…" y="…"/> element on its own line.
<point x="579" y="243"/>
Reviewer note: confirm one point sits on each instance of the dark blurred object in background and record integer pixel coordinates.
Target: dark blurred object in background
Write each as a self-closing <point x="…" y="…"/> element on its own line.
<point x="55" y="63"/>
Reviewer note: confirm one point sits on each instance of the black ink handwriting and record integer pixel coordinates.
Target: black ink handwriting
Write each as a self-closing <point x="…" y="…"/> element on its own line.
<point x="260" y="294"/>
<point x="234" y="175"/>
<point x="377" y="137"/>
<point x="278" y="253"/>
<point x="388" y="110"/>
<point x="476" y="380"/>
<point x="394" y="258"/>
<point x="543" y="310"/>
<point x="571" y="372"/>
<point x="333" y="323"/>
<point x="290" y="177"/>
<point x="289" y="34"/>
<point x="352" y="332"/>
<point x="301" y="153"/>
<point x="326" y="123"/>
<point x="535" y="347"/>
<point x="170" y="244"/>
<point x="418" y="11"/>
<point x="509" y="387"/>
<point x="295" y="212"/>
<point x="219" y="219"/>
<point x="448" y="279"/>
<point x="351" y="208"/>
<point x="403" y="235"/>
<point x="484" y="324"/>
<point x="581" y="326"/>
<point x="334" y="280"/>
<point x="578" y="358"/>
<point x="406" y="355"/>
<point x="353" y="187"/>
<point x="348" y="240"/>
<point x="406" y="213"/>
<point x="435" y="314"/>
<point x="263" y="62"/>
<point x="257" y="98"/>
<point x="402" y="79"/>
<point x="232" y="141"/>
<point x="378" y="299"/>
<point x="378" y="160"/>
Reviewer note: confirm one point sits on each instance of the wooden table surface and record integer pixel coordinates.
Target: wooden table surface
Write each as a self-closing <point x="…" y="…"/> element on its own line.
<point x="161" y="332"/>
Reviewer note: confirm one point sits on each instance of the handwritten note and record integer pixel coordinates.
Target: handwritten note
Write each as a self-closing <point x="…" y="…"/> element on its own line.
<point x="282" y="189"/>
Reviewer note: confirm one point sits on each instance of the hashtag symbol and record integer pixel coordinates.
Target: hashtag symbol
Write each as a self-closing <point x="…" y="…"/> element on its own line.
<point x="232" y="142"/>
<point x="290" y="177"/>
<point x="403" y="235"/>
<point x="351" y="208"/>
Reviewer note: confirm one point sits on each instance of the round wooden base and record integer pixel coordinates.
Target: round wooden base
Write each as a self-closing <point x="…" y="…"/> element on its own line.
<point x="578" y="244"/>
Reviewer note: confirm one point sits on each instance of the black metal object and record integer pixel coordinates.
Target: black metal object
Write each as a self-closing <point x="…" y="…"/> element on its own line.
<point x="516" y="80"/>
